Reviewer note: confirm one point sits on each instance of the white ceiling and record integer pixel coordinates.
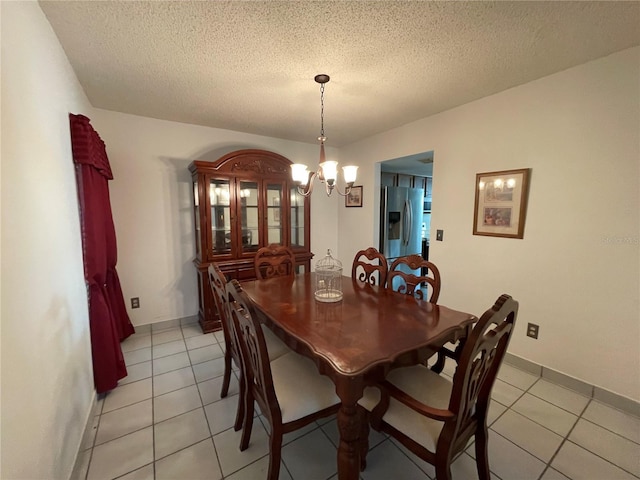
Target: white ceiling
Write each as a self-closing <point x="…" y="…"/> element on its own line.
<point x="249" y="65"/>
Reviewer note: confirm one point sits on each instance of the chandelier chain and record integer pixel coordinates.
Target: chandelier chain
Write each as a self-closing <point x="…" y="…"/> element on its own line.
<point x="322" y="111"/>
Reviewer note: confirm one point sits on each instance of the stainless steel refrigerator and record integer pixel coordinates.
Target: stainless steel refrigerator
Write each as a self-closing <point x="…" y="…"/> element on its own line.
<point x="401" y="222"/>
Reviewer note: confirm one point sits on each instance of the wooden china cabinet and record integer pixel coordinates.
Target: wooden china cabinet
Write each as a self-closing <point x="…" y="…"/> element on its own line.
<point x="243" y="201"/>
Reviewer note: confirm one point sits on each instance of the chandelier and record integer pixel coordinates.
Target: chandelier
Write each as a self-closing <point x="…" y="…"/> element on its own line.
<point x="327" y="172"/>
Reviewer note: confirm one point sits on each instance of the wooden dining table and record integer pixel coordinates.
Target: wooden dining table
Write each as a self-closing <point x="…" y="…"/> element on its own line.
<point x="356" y="341"/>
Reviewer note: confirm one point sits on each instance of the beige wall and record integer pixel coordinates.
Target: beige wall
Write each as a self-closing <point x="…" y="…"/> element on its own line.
<point x="151" y="198"/>
<point x="47" y="381"/>
<point x="576" y="272"/>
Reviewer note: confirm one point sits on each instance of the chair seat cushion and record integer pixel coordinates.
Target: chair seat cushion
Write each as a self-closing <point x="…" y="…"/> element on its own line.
<point x="425" y="386"/>
<point x="275" y="347"/>
<point x="300" y="388"/>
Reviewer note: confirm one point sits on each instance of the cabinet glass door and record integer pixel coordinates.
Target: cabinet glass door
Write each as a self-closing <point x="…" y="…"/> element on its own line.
<point x="196" y="219"/>
<point x="249" y="216"/>
<point x="274" y="214"/>
<point x="297" y="219"/>
<point x="219" y="199"/>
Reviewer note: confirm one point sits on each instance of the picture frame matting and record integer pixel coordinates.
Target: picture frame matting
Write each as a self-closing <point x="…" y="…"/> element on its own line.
<point x="354" y="197"/>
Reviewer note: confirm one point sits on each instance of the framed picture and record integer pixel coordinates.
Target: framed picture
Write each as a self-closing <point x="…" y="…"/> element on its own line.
<point x="501" y="203"/>
<point x="354" y="197"/>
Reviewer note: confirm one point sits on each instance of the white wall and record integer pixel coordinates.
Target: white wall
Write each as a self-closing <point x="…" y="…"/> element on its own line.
<point x="576" y="272"/>
<point x="47" y="381"/>
<point x="151" y="198"/>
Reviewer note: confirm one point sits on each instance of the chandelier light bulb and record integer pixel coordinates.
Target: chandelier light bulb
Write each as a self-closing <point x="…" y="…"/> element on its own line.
<point x="299" y="173"/>
<point x="350" y="172"/>
<point x="329" y="171"/>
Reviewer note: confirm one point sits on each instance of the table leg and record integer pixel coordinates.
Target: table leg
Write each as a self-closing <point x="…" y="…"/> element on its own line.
<point x="349" y="426"/>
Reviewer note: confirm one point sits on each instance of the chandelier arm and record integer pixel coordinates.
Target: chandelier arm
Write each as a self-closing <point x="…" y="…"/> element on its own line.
<point x="347" y="189"/>
<point x="308" y="188"/>
<point x="328" y="188"/>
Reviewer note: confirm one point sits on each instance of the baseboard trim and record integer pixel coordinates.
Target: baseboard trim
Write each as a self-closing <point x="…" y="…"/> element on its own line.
<point x="607" y="397"/>
<point x="88" y="435"/>
<point x="166" y="324"/>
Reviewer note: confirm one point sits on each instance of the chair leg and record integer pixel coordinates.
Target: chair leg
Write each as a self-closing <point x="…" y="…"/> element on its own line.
<point x="275" y="454"/>
<point x="482" y="455"/>
<point x="439" y="365"/>
<point x="443" y="471"/>
<point x="227" y="374"/>
<point x="241" y="405"/>
<point x="364" y="437"/>
<point x="247" y="424"/>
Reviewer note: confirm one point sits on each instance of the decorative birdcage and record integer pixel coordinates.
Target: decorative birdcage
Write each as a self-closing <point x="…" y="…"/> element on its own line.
<point x="328" y="279"/>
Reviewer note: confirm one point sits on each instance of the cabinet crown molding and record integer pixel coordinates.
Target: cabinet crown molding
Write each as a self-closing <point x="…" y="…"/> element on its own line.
<point x="257" y="166"/>
<point x="260" y="162"/>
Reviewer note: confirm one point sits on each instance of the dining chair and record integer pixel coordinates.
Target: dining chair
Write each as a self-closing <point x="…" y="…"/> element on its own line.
<point x="435" y="417"/>
<point x="370" y="266"/>
<point x="403" y="280"/>
<point x="275" y="347"/>
<point x="218" y="281"/>
<point x="274" y="261"/>
<point x="289" y="390"/>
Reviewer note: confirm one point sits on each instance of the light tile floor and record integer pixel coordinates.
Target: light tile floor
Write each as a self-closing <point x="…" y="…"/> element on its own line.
<point x="166" y="420"/>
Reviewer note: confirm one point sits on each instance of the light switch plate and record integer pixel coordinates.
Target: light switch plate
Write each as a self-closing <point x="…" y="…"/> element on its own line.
<point x="439" y="235"/>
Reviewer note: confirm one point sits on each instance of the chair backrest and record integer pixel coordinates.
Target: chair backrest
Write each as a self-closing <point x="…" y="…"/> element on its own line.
<point x="370" y="266"/>
<point x="218" y="282"/>
<point x="402" y="280"/>
<point x="477" y="369"/>
<point x="274" y="261"/>
<point x="255" y="357"/>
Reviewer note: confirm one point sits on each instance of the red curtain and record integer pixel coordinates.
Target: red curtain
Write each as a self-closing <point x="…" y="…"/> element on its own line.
<point x="108" y="318"/>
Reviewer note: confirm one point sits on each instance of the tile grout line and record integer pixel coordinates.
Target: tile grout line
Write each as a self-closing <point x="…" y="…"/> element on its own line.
<point x="564" y="440"/>
<point x="93" y="442"/>
<point x="547" y="465"/>
<point x="153" y="412"/>
<point x="213" y="443"/>
<point x="510" y="408"/>
<point x="403" y="452"/>
<point x="585" y="448"/>
<point x="607" y="429"/>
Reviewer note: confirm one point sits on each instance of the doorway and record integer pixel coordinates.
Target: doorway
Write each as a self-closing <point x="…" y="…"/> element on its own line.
<point x="410" y="172"/>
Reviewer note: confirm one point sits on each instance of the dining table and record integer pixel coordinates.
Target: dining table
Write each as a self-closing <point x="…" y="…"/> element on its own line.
<point x="355" y="341"/>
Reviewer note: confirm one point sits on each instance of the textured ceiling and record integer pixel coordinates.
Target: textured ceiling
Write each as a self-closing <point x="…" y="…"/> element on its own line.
<point x="249" y="66"/>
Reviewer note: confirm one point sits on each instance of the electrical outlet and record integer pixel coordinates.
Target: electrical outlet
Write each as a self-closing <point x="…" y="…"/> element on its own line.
<point x="532" y="330"/>
<point x="439" y="235"/>
<point x="135" y="302"/>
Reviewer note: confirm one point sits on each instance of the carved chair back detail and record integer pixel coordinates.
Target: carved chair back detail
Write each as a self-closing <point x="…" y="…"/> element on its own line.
<point x="274" y="261"/>
<point x="370" y="266"/>
<point x="401" y="280"/>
